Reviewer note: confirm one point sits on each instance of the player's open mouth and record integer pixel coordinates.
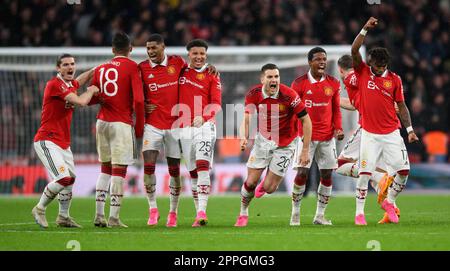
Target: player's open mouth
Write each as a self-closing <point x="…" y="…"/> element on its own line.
<point x="273" y="85"/>
<point x="70" y="73"/>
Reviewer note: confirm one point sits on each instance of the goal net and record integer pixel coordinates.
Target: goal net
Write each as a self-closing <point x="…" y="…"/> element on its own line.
<point x="24" y="72"/>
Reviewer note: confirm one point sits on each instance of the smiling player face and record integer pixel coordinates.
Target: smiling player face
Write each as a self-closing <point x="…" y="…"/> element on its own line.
<point x="197" y="57"/>
<point x="318" y="64"/>
<point x="67" y="68"/>
<point x="270" y="80"/>
<point x="155" y="51"/>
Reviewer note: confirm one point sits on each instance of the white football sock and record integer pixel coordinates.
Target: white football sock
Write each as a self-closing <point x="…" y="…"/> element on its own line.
<point x="116" y="194"/>
<point x="50" y="192"/>
<point x="297" y="195"/>
<point x="194" y="192"/>
<point x="246" y="198"/>
<point x="396" y="187"/>
<point x="65" y="198"/>
<point x="101" y="192"/>
<point x="361" y="193"/>
<point x="150" y="189"/>
<point x="175" y="189"/>
<point x="203" y="189"/>
<point x="323" y="196"/>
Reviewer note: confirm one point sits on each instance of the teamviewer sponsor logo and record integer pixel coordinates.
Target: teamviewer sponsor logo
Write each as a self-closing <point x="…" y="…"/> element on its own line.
<point x="184" y="80"/>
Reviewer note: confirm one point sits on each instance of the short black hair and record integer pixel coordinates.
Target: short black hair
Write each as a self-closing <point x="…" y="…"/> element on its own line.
<point x="269" y="66"/>
<point x="197" y="43"/>
<point x="380" y="56"/>
<point x="315" y="50"/>
<point x="121" y="42"/>
<point x="158" y="38"/>
<point x="61" y="57"/>
<point x="345" y="62"/>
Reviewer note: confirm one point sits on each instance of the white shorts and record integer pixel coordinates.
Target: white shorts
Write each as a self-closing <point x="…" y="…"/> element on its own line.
<point x="116" y="143"/>
<point x="352" y="148"/>
<point x="155" y="138"/>
<point x="323" y="152"/>
<point x="266" y="153"/>
<point x="198" y="144"/>
<point x="58" y="162"/>
<point x="389" y="148"/>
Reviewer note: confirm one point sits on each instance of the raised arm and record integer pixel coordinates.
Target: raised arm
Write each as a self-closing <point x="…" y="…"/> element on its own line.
<point x="359" y="40"/>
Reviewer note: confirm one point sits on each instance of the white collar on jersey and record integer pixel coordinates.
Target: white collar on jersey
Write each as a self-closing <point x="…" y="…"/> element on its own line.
<point x="68" y="84"/>
<point x="274" y="96"/>
<point x="383" y="75"/>
<point x="163" y="63"/>
<point x="311" y="78"/>
<point x="202" y="69"/>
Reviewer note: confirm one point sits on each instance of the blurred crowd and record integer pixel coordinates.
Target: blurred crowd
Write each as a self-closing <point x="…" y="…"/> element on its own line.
<point x="415" y="32"/>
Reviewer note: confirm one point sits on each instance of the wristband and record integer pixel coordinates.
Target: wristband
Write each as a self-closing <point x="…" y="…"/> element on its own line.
<point x="363" y="32"/>
<point x="409" y="129"/>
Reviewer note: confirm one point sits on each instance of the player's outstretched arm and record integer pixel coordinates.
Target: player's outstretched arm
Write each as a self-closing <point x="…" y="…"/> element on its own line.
<point x="307" y="132"/>
<point x="244" y="131"/>
<point x="359" y="40"/>
<point x="346" y="104"/>
<point x="85" y="76"/>
<point x="84" y="98"/>
<point x="405" y="118"/>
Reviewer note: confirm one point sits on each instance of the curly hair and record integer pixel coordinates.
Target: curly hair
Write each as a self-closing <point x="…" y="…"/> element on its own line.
<point x="380" y="56"/>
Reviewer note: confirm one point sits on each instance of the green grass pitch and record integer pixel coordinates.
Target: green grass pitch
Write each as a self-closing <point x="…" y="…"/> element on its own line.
<point x="424" y="225"/>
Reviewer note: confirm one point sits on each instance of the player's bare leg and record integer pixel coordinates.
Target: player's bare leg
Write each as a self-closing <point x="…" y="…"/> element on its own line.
<point x="116" y="191"/>
<point x="175" y="189"/>
<point x="203" y="190"/>
<point x="50" y="192"/>
<point x="150" y="157"/>
<point x="101" y="193"/>
<point x="298" y="190"/>
<point x="323" y="196"/>
<point x="247" y="194"/>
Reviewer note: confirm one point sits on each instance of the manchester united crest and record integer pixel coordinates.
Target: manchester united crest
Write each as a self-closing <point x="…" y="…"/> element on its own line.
<point x="200" y="76"/>
<point x="387" y="84"/>
<point x="363" y="163"/>
<point x="62" y="169"/>
<point x="171" y="70"/>
<point x="281" y="107"/>
<point x="328" y="91"/>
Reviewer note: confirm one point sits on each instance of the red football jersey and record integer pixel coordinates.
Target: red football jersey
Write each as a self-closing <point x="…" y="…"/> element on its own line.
<point x="200" y="93"/>
<point x="120" y="87"/>
<point x="56" y="113"/>
<point x="378" y="94"/>
<point x="322" y="100"/>
<point x="279" y="113"/>
<point x="351" y="85"/>
<point x="161" y="89"/>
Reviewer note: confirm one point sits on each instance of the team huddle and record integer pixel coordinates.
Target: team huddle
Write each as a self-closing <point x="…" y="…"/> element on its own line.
<point x="172" y="105"/>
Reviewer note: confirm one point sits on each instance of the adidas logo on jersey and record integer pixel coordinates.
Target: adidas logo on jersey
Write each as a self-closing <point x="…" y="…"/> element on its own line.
<point x="309" y="92"/>
<point x="151" y="75"/>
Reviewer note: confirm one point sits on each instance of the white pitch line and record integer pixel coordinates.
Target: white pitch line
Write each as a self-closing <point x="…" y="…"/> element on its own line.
<point x="241" y="234"/>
